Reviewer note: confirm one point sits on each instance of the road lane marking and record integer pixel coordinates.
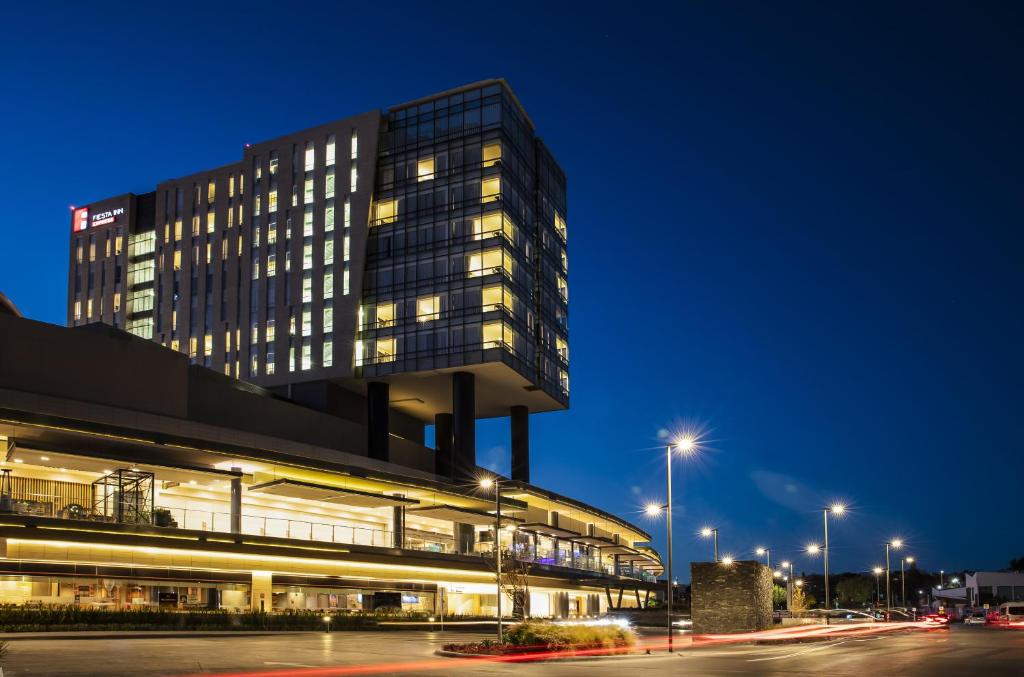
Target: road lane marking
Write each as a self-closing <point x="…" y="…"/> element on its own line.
<point x="797" y="653"/>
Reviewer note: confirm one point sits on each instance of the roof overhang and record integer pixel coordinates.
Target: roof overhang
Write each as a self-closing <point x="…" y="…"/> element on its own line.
<point x="328" y="494"/>
<point x="451" y="513"/>
<point x="548" y="530"/>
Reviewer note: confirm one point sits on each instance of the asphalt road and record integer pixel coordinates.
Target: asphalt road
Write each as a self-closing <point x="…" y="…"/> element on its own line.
<point x="961" y="650"/>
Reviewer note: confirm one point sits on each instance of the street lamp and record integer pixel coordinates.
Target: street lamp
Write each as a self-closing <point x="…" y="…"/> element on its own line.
<point x="727" y="560"/>
<point x="836" y="509"/>
<point x="707" y="532"/>
<point x="895" y="544"/>
<point x="687" y="446"/>
<point x="487" y="483"/>
<point x="903" y="578"/>
<point x="789" y="584"/>
<point x="878" y="592"/>
<point x="767" y="554"/>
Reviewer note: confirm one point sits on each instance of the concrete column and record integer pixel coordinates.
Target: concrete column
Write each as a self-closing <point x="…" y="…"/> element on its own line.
<point x="261" y="593"/>
<point x="464" y="425"/>
<point x="398" y="526"/>
<point x="377" y="421"/>
<point x="520" y="443"/>
<point x="465" y="538"/>
<point x="236" y="503"/>
<point x="444" y="464"/>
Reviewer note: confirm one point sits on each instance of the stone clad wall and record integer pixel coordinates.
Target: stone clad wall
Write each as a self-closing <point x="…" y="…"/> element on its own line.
<point x="730" y="598"/>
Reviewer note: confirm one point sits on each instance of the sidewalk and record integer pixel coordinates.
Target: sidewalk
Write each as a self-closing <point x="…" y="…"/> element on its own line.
<point x="144" y="634"/>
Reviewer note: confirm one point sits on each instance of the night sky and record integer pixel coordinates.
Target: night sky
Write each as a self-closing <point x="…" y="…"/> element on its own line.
<point x="796" y="227"/>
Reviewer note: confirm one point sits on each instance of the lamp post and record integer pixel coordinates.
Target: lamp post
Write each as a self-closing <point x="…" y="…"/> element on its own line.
<point x="767" y="553"/>
<point x="789" y="585"/>
<point x="903" y="579"/>
<point x="487" y="484"/>
<point x="895" y="544"/>
<point x="707" y="532"/>
<point x="836" y="509"/>
<point x="878" y="592"/>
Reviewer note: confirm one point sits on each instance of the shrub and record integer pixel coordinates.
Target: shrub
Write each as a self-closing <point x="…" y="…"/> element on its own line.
<point x="554" y="637"/>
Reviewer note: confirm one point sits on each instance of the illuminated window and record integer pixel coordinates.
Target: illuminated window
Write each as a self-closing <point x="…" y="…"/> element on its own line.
<point x="348" y="212"/>
<point x="425" y="169"/>
<point x="231" y="186"/>
<point x="347" y="248"/>
<point x="310" y="156"/>
<point x="307" y="222"/>
<point x="562" y="347"/>
<point x="563" y="288"/>
<point x="328" y="318"/>
<point x="211" y="191"/>
<point x="560" y="226"/>
<point x="428" y="308"/>
<point x="345" y="281"/>
<point x="497" y="335"/>
<point x="207" y="345"/>
<point x="80" y="248"/>
<point x="328" y="353"/>
<point x="195" y="225"/>
<point x="192" y="346"/>
<point x="329" y="250"/>
<point x="177" y="230"/>
<point x="488" y="225"/>
<point x="492" y="153"/>
<point x="330" y="151"/>
<point x="271" y="264"/>
<point x="307" y="255"/>
<point x="175" y="345"/>
<point x="563" y="380"/>
<point x="329" y="216"/>
<point x="355" y="145"/>
<point x="385" y="314"/>
<point x="487" y="262"/>
<point x="308" y="191"/>
<point x="490" y="189"/>
<point x="118" y="244"/>
<point x="177" y="259"/>
<point x="565" y="260"/>
<point x="329" y="183"/>
<point x="272" y="199"/>
<point x="385" y="211"/>
<point x="78" y="309"/>
<point x="117" y="302"/>
<point x="496" y="297"/>
<point x="329" y="282"/>
<point x="360" y="353"/>
<point x="307" y="288"/>
<point x="386" y="349"/>
<point x="353" y="178"/>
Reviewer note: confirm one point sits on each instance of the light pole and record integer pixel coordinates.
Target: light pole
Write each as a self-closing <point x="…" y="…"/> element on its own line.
<point x="895" y="544"/>
<point x="707" y="532"/>
<point x="487" y="484"/>
<point x="789" y="585"/>
<point x="903" y="579"/>
<point x="836" y="509"/>
<point x="767" y="553"/>
<point x="878" y="591"/>
<point x="941" y="572"/>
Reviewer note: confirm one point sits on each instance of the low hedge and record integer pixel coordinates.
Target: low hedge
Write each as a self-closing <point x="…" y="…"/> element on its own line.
<point x="538" y="637"/>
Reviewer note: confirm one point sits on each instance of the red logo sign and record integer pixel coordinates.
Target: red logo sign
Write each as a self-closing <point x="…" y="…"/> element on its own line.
<point x="80" y="219"/>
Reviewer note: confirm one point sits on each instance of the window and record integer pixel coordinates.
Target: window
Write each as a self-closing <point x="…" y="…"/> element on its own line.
<point x="488" y="225"/>
<point x="273" y="162"/>
<point x="310" y="156"/>
<point x="307" y="222"/>
<point x="385" y="211"/>
<point x="329" y="183"/>
<point x="272" y="200"/>
<point x="497" y="335"/>
<point x="385" y="314"/>
<point x="562" y="347"/>
<point x="428" y="308"/>
<point x="307" y="359"/>
<point x="355" y="145"/>
<point x="386" y="350"/>
<point x="345" y="281"/>
<point x="490" y="189"/>
<point x="425" y="169"/>
<point x="328" y="353"/>
<point x="177" y="259"/>
<point x="177" y="230"/>
<point x="329" y="216"/>
<point x="563" y="380"/>
<point x="560" y="226"/>
<point x="329" y="250"/>
<point x="487" y="262"/>
<point x="78" y="309"/>
<point x="563" y="289"/>
<point x="328" y="318"/>
<point x="307" y="254"/>
<point x="211" y="191"/>
<point x="207" y="345"/>
<point x="307" y="288"/>
<point x="353" y="178"/>
<point x="330" y="151"/>
<point x="360" y="353"/>
<point x="492" y="153"/>
<point x="348" y="212"/>
<point x="496" y="297"/>
<point x="308" y="190"/>
<point x="329" y="282"/>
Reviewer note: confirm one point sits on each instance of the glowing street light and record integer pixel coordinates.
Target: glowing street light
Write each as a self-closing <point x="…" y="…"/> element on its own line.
<point x="767" y="554"/>
<point x="878" y="592"/>
<point x="727" y="560"/>
<point x="894" y="544"/>
<point x="836" y="509"/>
<point x="708" y="532"/>
<point x="786" y="564"/>
<point x="653" y="509"/>
<point x="686" y="445"/>
<point x="903" y="578"/>
<point x="495" y="483"/>
<point x="813" y="549"/>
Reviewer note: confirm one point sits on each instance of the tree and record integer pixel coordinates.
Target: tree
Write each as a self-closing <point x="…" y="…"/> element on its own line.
<point x="800" y="602"/>
<point x="515" y="580"/>
<point x="856" y="589"/>
<point x="778" y="596"/>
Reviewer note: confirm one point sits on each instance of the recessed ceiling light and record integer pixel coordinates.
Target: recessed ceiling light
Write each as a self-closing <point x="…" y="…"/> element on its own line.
<point x="192" y="482"/>
<point x="107" y="472"/>
<point x="63" y="469"/>
<point x="18" y="460"/>
<point x="44" y="458"/>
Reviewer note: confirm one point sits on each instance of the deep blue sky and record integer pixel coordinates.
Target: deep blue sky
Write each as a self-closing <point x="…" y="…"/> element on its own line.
<point x="797" y="225"/>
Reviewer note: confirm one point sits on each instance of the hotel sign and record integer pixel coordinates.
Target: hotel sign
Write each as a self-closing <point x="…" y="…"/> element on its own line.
<point x="109" y="216"/>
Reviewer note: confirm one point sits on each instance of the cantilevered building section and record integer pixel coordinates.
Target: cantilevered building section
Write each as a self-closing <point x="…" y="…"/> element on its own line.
<point x="395" y="269"/>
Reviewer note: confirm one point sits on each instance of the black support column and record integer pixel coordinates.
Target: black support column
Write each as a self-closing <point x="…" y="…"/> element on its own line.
<point x="444" y="464"/>
<point x="377" y="421"/>
<point x="520" y="443"/>
<point x="464" y="425"/>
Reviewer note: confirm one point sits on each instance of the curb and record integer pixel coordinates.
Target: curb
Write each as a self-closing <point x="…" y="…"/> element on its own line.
<point x="157" y="634"/>
<point x="523" y="658"/>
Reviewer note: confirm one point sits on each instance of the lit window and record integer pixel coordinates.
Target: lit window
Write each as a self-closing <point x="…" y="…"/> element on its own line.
<point x="385" y="211"/>
<point x="330" y="151"/>
<point x="117" y="302"/>
<point x="488" y="225"/>
<point x="492" y="153"/>
<point x="425" y="169"/>
<point x="329" y="250"/>
<point x="211" y="190"/>
<point x="495" y="298"/>
<point x="563" y="289"/>
<point x="307" y="255"/>
<point x="308" y="191"/>
<point x="329" y="216"/>
<point x="428" y="308"/>
<point x="487" y="262"/>
<point x="272" y="199"/>
<point x="385" y="314"/>
<point x="177" y="230"/>
<point x="560" y="226"/>
<point x="310" y="156"/>
<point x="345" y="281"/>
<point x="192" y="346"/>
<point x="329" y="183"/>
<point x="307" y="222"/>
<point x="329" y="282"/>
<point x="355" y="145"/>
<point x="353" y="178"/>
<point x="497" y="335"/>
<point x="563" y="380"/>
<point x="177" y="259"/>
<point x="231" y="186"/>
<point x="490" y="189"/>
<point x="78" y="309"/>
<point x="207" y="345"/>
<point x="307" y="288"/>
<point x="328" y="318"/>
<point x="348" y="212"/>
<point x="328" y="353"/>
<point x="307" y="359"/>
<point x="360" y="353"/>
<point x="386" y="350"/>
<point x="562" y="347"/>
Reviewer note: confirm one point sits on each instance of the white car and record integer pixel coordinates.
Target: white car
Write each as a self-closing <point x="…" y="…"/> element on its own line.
<point x="974" y="619"/>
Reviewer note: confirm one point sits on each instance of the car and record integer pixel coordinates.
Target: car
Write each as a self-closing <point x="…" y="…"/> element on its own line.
<point x="935" y="621"/>
<point x="974" y="619"/>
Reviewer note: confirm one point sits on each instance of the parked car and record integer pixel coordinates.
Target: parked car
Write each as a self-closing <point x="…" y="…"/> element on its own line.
<point x="1012" y="614"/>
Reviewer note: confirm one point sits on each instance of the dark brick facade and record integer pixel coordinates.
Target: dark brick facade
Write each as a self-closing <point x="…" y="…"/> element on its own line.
<point x="734" y="597"/>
